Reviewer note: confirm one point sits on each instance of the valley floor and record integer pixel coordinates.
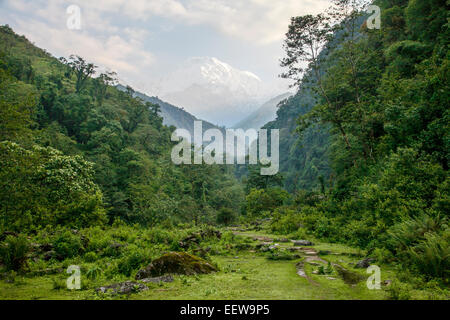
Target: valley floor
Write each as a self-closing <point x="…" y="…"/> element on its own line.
<point x="246" y="275"/>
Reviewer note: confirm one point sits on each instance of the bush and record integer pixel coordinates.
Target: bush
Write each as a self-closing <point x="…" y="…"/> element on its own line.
<point x="226" y="216"/>
<point x="286" y="221"/>
<point x="422" y="243"/>
<point x="90" y="257"/>
<point x="67" y="245"/>
<point x="14" y="252"/>
<point x="398" y="291"/>
<point x="132" y="262"/>
<point x="260" y="200"/>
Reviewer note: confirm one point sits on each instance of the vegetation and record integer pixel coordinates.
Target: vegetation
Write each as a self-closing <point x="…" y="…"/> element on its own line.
<point x="86" y="176"/>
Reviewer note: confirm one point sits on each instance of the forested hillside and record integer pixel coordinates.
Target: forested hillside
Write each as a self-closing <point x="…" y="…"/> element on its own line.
<point x="172" y="115"/>
<point x="77" y="151"/>
<point x="86" y="176"/>
<point x="382" y="98"/>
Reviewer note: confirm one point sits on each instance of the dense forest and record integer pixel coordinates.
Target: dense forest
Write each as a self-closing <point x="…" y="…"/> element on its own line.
<point x="86" y="169"/>
<point x="76" y="151"/>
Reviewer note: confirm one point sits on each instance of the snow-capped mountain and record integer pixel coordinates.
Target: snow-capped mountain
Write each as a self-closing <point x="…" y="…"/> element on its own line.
<point x="213" y="90"/>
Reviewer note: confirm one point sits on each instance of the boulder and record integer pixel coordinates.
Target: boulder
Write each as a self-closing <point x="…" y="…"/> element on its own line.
<point x="348" y="276"/>
<point x="195" y="238"/>
<point x="168" y="278"/>
<point x="364" y="263"/>
<point x="126" y="287"/>
<point x="175" y="263"/>
<point x="302" y="243"/>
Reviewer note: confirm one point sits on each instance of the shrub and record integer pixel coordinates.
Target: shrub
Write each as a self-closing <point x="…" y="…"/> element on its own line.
<point x="14" y="252"/>
<point x="131" y="262"/>
<point x="226" y="216"/>
<point x="286" y="221"/>
<point x="93" y="273"/>
<point x="398" y="291"/>
<point x="423" y="244"/>
<point x="90" y="257"/>
<point x="67" y="245"/>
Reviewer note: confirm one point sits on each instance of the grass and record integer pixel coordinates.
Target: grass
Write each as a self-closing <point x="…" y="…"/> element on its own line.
<point x="247" y="277"/>
<point x="244" y="274"/>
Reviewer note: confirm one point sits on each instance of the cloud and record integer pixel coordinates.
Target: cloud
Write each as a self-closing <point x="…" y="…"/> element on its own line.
<point x="99" y="41"/>
<point x="115" y="32"/>
<point x="259" y="21"/>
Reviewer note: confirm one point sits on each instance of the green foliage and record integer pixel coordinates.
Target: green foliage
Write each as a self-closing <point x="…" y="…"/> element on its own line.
<point x="67" y="245"/>
<point x="286" y="221"/>
<point x="262" y="200"/>
<point x="115" y="150"/>
<point x="226" y="216"/>
<point x="43" y="187"/>
<point x="134" y="259"/>
<point x="380" y="94"/>
<point x="14" y="252"/>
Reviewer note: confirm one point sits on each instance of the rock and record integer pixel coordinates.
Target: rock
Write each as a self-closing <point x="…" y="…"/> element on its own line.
<point x="331" y="278"/>
<point x="348" y="276"/>
<point x="176" y="263"/>
<point x="387" y="283"/>
<point x="315" y="272"/>
<point x="116" y="245"/>
<point x="314" y="263"/>
<point x="263" y="239"/>
<point x="195" y="238"/>
<point x="274" y="247"/>
<point x="365" y="263"/>
<point x="282" y="240"/>
<point x="264" y="247"/>
<point x="47" y="271"/>
<point x="300" y="269"/>
<point x="126" y="287"/>
<point x="49" y="255"/>
<point x="293" y="249"/>
<point x="302" y="243"/>
<point x="310" y="253"/>
<point x="168" y="278"/>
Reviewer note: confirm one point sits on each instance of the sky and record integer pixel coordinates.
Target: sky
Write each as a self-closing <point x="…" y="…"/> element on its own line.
<point x="142" y="40"/>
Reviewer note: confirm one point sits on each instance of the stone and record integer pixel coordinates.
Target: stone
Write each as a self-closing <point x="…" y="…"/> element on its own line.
<point x="365" y="263"/>
<point x="274" y="247"/>
<point x="49" y="255"/>
<point x="302" y="243"/>
<point x="387" y="283"/>
<point x="348" y="276"/>
<point x="126" y="287"/>
<point x="176" y="263"/>
<point x="168" y="278"/>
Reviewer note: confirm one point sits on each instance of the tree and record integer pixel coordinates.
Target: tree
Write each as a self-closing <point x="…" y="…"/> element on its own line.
<point x="41" y="186"/>
<point x="101" y="84"/>
<point x="82" y="70"/>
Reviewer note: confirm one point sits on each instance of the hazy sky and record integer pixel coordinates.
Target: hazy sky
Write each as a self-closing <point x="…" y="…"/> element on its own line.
<point x="144" y="39"/>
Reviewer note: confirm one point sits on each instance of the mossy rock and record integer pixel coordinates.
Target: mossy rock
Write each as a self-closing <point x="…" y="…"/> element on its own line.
<point x="348" y="276"/>
<point x="176" y="263"/>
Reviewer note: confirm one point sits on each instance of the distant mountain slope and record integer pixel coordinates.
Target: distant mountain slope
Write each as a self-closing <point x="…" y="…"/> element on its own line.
<point x="172" y="115"/>
<point x="266" y="113"/>
<point x="213" y="90"/>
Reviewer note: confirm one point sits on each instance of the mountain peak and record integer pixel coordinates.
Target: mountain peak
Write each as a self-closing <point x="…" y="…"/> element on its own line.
<point x="212" y="89"/>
